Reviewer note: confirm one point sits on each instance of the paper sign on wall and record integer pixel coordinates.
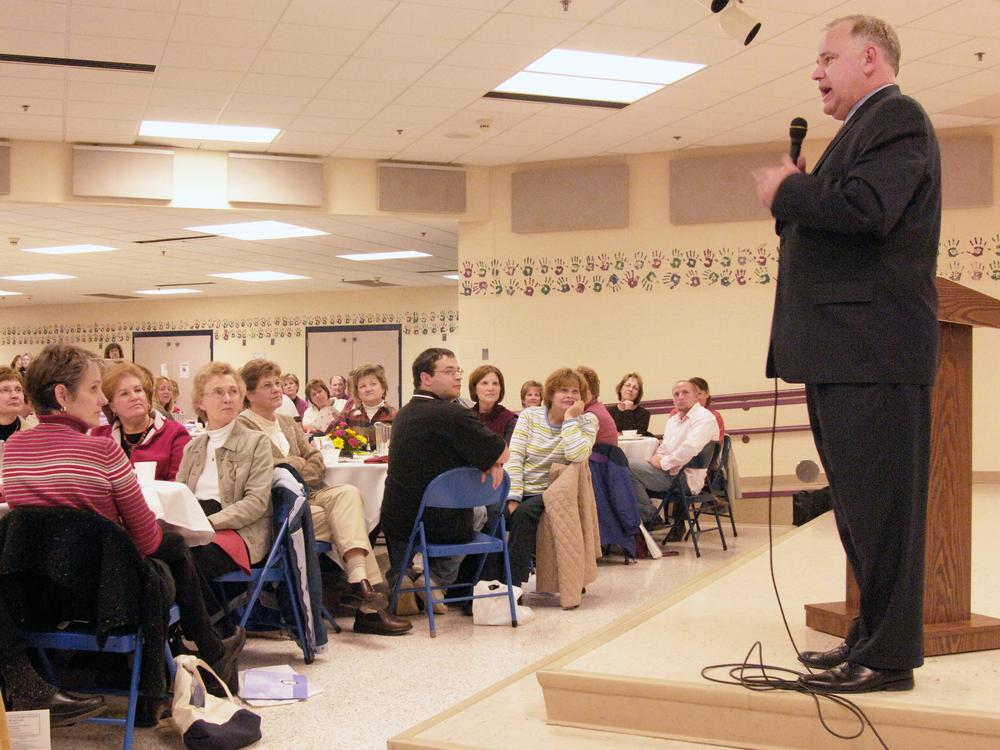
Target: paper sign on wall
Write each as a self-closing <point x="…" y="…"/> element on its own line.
<point x="184" y="370"/>
<point x="164" y="370"/>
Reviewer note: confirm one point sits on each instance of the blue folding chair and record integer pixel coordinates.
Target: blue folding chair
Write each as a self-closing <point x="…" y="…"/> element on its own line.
<point x="457" y="489"/>
<point x="276" y="568"/>
<point x="124" y="642"/>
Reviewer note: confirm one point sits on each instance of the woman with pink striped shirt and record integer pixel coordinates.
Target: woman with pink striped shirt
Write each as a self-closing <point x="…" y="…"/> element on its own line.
<point x="59" y="464"/>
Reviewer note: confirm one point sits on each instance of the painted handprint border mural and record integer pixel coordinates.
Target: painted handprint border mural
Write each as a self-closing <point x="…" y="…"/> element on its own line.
<point x="614" y="271"/>
<point x="413" y="323"/>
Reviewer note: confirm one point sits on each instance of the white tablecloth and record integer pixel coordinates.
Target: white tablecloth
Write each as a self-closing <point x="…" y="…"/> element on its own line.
<point x="640" y="450"/>
<point x="176" y="507"/>
<point x="368" y="478"/>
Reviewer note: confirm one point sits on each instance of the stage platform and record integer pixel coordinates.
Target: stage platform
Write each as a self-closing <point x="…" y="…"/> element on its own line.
<point x="638" y="684"/>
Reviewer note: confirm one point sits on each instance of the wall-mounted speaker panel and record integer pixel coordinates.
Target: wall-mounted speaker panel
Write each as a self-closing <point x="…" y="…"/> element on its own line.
<point x="421" y="188"/>
<point x="285" y="180"/>
<point x="712" y="189"/>
<point x="571" y="199"/>
<point x="966" y="171"/>
<point x="120" y="172"/>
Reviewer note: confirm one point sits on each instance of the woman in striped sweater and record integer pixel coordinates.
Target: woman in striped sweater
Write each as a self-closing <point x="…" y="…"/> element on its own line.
<point x="557" y="432"/>
<point x="59" y="464"/>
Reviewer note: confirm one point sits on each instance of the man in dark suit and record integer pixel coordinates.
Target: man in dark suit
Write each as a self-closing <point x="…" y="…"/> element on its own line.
<point x="855" y="319"/>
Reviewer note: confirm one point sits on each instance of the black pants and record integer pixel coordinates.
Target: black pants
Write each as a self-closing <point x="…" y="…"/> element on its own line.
<point x="874" y="442"/>
<point x="191" y="592"/>
<point x="522" y="528"/>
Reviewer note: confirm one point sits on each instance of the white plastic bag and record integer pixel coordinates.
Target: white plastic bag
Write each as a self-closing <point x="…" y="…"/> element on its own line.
<point x="496" y="609"/>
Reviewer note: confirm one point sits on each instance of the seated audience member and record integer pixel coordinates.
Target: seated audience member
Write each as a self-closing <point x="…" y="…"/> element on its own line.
<point x="430" y="435"/>
<point x="607" y="433"/>
<point x="59" y="464"/>
<point x="20" y="364"/>
<point x="687" y="432"/>
<point x="531" y="394"/>
<point x="144" y="434"/>
<point x="290" y="387"/>
<point x="229" y="470"/>
<point x="321" y="412"/>
<point x="558" y="432"/>
<point x="338" y="512"/>
<point x="165" y="399"/>
<point x="627" y="413"/>
<point x="340" y="394"/>
<point x="705" y="399"/>
<point x="11" y="402"/>
<point x="486" y="388"/>
<point x="114" y="352"/>
<point x="369" y="386"/>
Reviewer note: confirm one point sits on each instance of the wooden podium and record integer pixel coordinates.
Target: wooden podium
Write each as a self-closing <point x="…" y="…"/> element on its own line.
<point x="950" y="627"/>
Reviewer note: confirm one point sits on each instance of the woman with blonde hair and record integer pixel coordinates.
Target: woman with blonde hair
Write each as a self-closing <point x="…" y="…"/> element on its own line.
<point x="143" y="433"/>
<point x="164" y="399"/>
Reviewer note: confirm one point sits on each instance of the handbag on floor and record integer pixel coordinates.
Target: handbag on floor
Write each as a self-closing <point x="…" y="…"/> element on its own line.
<point x="496" y="610"/>
<point x="204" y="721"/>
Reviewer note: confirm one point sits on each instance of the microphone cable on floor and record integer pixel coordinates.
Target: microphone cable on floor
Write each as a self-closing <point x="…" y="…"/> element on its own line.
<point x="762" y="677"/>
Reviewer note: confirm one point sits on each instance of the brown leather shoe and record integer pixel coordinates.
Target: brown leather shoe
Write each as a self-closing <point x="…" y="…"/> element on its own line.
<point x="380" y="622"/>
<point x="826" y="659"/>
<point x="371" y="599"/>
<point x="849" y="677"/>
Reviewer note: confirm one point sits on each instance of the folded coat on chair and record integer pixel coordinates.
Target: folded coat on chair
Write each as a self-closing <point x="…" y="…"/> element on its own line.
<point x="568" y="542"/>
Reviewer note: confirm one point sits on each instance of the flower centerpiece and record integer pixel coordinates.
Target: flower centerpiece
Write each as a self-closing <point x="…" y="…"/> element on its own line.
<point x="346" y="439"/>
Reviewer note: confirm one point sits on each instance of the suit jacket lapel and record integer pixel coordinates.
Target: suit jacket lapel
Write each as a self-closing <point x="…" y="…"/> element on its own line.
<point x="889" y="90"/>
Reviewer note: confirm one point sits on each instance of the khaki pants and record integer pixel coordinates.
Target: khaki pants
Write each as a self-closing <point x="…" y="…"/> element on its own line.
<point x="339" y="518"/>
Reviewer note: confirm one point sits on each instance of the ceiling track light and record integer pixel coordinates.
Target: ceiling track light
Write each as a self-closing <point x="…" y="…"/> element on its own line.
<point x="739" y="25"/>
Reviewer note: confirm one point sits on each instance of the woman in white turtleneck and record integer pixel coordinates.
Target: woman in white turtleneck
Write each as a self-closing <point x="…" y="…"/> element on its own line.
<point x="228" y="468"/>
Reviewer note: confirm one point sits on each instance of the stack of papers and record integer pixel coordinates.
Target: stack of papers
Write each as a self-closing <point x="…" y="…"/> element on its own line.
<point x="274" y="686"/>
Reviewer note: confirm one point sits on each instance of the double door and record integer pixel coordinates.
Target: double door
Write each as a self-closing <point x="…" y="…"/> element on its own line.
<point x="336" y="350"/>
<point x="176" y="355"/>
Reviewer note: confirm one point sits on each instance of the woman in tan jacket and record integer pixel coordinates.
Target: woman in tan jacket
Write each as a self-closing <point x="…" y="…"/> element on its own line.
<point x="229" y="470"/>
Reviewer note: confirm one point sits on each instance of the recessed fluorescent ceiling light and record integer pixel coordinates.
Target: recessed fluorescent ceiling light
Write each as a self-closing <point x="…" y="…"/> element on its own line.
<point x="170" y="290"/>
<point x="69" y="249"/>
<point x="194" y="131"/>
<point x="38" y="277"/>
<point x="453" y="276"/>
<point x="259" y="276"/>
<point x="593" y="76"/>
<point x="397" y="255"/>
<point x="258" y="230"/>
<point x="9" y="294"/>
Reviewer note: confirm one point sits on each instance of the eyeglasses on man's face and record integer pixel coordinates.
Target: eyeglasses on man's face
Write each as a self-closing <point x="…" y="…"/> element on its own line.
<point x="451" y="372"/>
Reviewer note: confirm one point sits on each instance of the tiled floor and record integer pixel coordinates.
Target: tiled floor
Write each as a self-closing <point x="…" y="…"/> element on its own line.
<point x="375" y="687"/>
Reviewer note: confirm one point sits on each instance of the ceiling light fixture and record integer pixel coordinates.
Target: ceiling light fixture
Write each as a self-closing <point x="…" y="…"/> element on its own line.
<point x="739" y="25"/>
<point x="569" y="76"/>
<point x="452" y="276"/>
<point x="259" y="276"/>
<point x="69" y="249"/>
<point x="38" y="277"/>
<point x="172" y="290"/>
<point x="258" y="230"/>
<point x="194" y="131"/>
<point x="396" y="255"/>
<point x="9" y="294"/>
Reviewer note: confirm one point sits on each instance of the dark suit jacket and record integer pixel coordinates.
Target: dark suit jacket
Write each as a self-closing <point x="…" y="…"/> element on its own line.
<point x="855" y="299"/>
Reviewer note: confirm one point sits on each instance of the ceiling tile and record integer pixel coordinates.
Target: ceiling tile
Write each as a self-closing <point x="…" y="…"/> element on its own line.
<point x="16" y="104"/>
<point x="267" y="103"/>
<point x="254" y="119"/>
<point x="104" y="110"/>
<point x="207" y="56"/>
<point x="25" y="121"/>
<point x="431" y="96"/>
<point x="982" y="83"/>
<point x="24" y="70"/>
<point x="615" y="40"/>
<point x="476" y="4"/>
<point x="686" y="47"/>
<point x="111" y="127"/>
<point x="432" y="20"/>
<point x="296" y="64"/>
<point x="340" y="125"/>
<point x="411" y="113"/>
<point x="342" y="108"/>
<point x="129" y="24"/>
<point x="171" y="113"/>
<point x="476" y="79"/>
<point x="34" y="16"/>
<point x="381" y="71"/>
<point x="202" y="80"/>
<point x="106" y="92"/>
<point x="306" y="143"/>
<point x="315" y="39"/>
<point x="348" y="14"/>
<point x="225" y="32"/>
<point x="495" y="154"/>
<point x="261" y="10"/>
<point x="40" y="43"/>
<point x="362" y="91"/>
<point x="578" y="10"/>
<point x="163" y="6"/>
<point x="114" y="77"/>
<point x="522" y="139"/>
<point x="407" y="47"/>
<point x="547" y="125"/>
<point x="919" y="75"/>
<point x="506" y="57"/>
<point x="654" y="14"/>
<point x="528" y="30"/>
<point x="964" y="53"/>
<point x="384" y="128"/>
<point x="144" y="51"/>
<point x="188" y="98"/>
<point x="262" y="83"/>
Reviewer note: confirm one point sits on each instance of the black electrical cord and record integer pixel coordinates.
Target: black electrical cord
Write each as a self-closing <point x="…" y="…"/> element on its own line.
<point x="762" y="677"/>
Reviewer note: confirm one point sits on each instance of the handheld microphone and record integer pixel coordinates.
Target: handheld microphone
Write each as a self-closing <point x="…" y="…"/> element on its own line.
<point x="797" y="133"/>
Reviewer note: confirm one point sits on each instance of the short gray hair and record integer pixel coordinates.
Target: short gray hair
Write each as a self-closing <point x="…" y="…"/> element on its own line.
<point x="877" y="32"/>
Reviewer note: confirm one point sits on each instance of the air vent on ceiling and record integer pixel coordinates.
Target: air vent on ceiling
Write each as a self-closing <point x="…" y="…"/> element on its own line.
<point x="175" y="239"/>
<point x="68" y="62"/>
<point x="104" y="295"/>
<point x="377" y="283"/>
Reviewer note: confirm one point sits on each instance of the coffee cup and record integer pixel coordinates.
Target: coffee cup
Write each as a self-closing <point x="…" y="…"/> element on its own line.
<point x="630" y="433"/>
<point x="145" y="471"/>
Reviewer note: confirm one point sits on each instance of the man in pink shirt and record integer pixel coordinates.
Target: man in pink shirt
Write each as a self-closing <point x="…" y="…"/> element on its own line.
<point x="687" y="432"/>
